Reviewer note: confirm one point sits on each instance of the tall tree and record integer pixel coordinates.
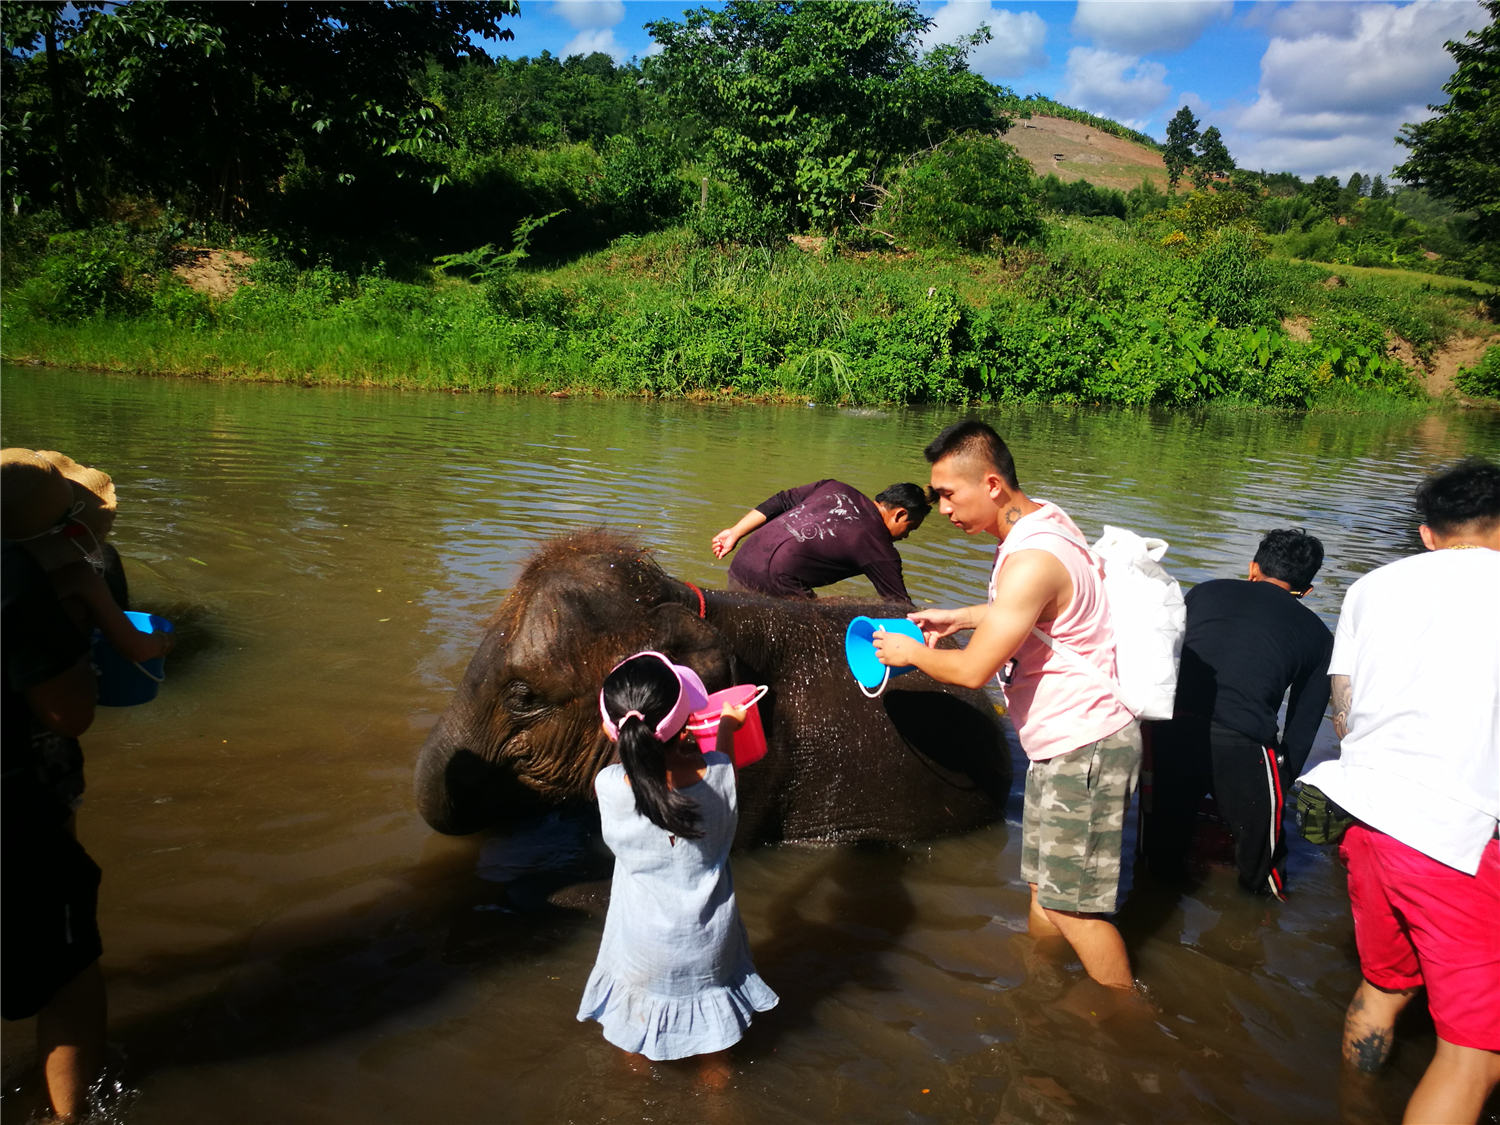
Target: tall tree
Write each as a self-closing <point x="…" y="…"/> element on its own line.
<point x="806" y="103"/>
<point x="1378" y="188"/>
<point x="1456" y="155"/>
<point x="1182" y="136"/>
<point x="210" y="103"/>
<point x="1212" y="158"/>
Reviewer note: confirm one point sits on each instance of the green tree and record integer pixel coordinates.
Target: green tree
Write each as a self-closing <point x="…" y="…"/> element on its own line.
<point x="1213" y="159"/>
<point x="1378" y="188"/>
<point x="1457" y="153"/>
<point x="1182" y="136"/>
<point x="807" y="105"/>
<point x="969" y="192"/>
<point x="210" y="104"/>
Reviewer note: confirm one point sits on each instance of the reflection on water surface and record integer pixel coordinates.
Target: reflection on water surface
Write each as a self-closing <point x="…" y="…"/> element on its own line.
<point x="286" y="940"/>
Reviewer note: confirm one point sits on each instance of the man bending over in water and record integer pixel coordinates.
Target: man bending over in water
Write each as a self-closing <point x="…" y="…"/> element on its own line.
<point x="822" y="533"/>
<point x="1084" y="746"/>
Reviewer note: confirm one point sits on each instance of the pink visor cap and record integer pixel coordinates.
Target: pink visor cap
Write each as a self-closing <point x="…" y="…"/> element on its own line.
<point x="691" y="696"/>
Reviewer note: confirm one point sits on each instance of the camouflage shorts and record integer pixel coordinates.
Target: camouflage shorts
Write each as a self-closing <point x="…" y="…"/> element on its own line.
<point x="1073" y="821"/>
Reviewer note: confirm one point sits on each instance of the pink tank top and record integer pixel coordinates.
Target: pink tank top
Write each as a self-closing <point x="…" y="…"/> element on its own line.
<point x="1054" y="706"/>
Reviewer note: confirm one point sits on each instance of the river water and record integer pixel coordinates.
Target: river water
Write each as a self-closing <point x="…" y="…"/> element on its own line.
<point x="287" y="941"/>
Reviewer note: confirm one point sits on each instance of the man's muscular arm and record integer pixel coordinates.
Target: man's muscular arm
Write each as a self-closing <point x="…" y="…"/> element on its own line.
<point x="1343" y="698"/>
<point x="1032" y="585"/>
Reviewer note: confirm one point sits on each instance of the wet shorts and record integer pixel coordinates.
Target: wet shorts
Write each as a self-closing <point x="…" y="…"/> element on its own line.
<point x="50" y="896"/>
<point x="1420" y="922"/>
<point x="1074" y="820"/>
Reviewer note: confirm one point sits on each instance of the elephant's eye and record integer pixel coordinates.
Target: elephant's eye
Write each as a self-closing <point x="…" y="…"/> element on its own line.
<point x="521" y="697"/>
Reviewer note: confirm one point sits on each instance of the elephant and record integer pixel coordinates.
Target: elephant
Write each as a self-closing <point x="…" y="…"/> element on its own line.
<point x="522" y="733"/>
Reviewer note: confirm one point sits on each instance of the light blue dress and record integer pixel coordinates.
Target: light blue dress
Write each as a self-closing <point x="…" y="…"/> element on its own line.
<point x="674" y="976"/>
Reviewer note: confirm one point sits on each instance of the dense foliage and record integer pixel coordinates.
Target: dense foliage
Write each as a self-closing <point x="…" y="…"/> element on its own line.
<point x="459" y="221"/>
<point x="1457" y="153"/>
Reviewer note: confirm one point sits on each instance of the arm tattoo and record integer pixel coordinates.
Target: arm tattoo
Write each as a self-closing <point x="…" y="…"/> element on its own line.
<point x="1012" y="514"/>
<point x="1343" y="697"/>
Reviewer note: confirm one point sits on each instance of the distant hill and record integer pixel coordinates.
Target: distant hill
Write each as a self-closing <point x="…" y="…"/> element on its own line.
<point x="1077" y="151"/>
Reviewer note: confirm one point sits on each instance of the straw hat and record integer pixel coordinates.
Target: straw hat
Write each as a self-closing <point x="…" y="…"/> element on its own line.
<point x="42" y="485"/>
<point x="92" y="488"/>
<point x="34" y="494"/>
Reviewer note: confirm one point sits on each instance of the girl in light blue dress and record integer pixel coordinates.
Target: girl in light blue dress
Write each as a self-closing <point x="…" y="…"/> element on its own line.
<point x="673" y="978"/>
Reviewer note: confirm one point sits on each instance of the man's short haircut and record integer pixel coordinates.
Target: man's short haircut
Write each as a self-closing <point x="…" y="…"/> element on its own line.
<point x="1466" y="494"/>
<point x="1290" y="555"/>
<point x="910" y="497"/>
<point x="971" y="438"/>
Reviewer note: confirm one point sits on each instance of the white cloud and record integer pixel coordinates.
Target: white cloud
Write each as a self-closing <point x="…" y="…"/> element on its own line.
<point x="1016" y="37"/>
<point x="1336" y="86"/>
<point x="590" y="13"/>
<point x="1124" y="87"/>
<point x="595" y="39"/>
<point x="1139" y="27"/>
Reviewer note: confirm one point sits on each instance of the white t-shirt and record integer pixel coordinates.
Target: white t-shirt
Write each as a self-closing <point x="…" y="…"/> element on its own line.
<point x="1420" y="641"/>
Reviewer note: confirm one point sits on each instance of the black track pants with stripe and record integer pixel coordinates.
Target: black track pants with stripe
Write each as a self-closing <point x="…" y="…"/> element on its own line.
<point x="1190" y="758"/>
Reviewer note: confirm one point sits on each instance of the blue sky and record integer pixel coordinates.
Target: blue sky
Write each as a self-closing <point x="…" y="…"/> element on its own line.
<point x="1311" y="86"/>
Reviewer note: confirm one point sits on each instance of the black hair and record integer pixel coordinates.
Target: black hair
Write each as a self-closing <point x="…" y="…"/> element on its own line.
<point x="645" y="684"/>
<point x="973" y="438"/>
<point x="1290" y="555"/>
<point x="1467" y="493"/>
<point x="911" y="498"/>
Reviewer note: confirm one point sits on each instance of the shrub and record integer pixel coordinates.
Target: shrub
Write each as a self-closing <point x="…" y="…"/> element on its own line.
<point x="1080" y="198"/>
<point x="642" y="186"/>
<point x="104" y="270"/>
<point x="1482" y="379"/>
<point x="1232" y="282"/>
<point x="970" y="192"/>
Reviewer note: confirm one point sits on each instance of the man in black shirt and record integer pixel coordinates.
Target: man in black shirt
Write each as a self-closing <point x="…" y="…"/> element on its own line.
<point x="821" y="533"/>
<point x="1246" y="644"/>
<point x="50" y="885"/>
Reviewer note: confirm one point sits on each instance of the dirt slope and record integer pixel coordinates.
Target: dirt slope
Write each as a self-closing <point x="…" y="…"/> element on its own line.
<point x="1081" y="152"/>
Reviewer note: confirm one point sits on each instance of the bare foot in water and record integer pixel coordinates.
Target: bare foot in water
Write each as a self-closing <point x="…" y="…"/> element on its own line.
<point x="714" y="1070"/>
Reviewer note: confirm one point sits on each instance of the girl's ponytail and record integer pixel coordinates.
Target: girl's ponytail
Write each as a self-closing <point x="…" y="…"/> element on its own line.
<point x="645" y="761"/>
<point x="642" y="698"/>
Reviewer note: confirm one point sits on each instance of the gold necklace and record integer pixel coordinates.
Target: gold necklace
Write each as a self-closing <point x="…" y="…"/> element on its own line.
<point x="1463" y="547"/>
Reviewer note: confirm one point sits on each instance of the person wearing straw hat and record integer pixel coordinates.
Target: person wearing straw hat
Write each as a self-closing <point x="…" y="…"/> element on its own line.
<point x="49" y="933"/>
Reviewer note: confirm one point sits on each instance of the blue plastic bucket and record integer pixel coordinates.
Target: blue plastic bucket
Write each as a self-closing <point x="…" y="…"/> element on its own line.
<point x="124" y="683"/>
<point x="859" y="651"/>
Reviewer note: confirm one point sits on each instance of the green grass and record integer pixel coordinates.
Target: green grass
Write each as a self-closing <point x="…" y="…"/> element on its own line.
<point x="1101" y="314"/>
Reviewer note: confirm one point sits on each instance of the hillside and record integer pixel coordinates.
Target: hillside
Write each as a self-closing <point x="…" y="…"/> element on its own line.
<point x="1076" y="151"/>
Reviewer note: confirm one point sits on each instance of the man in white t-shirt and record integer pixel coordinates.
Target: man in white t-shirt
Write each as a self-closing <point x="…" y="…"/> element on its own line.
<point x="1416" y="701"/>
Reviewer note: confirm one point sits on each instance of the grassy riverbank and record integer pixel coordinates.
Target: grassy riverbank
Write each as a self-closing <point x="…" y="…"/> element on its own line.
<point x="1101" y="313"/>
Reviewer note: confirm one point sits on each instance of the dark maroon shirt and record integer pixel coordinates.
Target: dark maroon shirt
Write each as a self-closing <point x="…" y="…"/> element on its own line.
<point x="817" y="535"/>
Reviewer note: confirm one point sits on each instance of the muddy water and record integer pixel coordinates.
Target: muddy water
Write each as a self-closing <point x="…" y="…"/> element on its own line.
<point x="287" y="941"/>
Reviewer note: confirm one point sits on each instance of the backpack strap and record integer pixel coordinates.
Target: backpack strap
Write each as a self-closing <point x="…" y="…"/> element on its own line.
<point x="1084" y="664"/>
<point x="1072" y="655"/>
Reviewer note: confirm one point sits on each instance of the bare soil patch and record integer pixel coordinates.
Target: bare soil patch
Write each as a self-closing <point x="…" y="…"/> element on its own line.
<point x="215" y="272"/>
<point x="1459" y="351"/>
<point x="1075" y="151"/>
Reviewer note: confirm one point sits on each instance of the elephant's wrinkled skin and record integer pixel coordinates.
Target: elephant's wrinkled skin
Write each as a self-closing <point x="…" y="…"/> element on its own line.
<point x="522" y="733"/>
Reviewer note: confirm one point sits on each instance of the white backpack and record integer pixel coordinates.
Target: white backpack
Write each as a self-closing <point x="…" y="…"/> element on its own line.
<point x="1149" y="616"/>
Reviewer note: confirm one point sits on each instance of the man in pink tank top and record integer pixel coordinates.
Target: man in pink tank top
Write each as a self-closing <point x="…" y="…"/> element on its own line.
<point x="1084" y="745"/>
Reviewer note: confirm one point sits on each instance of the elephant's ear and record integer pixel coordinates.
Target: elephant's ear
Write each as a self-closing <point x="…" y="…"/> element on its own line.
<point x="688" y="639"/>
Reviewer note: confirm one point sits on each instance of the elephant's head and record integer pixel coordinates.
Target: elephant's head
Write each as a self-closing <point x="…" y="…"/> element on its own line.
<point x="522" y="732"/>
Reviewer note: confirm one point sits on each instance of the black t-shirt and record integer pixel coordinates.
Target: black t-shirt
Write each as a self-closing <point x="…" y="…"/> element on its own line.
<point x="817" y="535"/>
<point x="38" y="642"/>
<point x="1246" y="643"/>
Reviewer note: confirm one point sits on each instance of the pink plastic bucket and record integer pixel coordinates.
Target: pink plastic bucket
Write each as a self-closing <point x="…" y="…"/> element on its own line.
<point x="749" y="740"/>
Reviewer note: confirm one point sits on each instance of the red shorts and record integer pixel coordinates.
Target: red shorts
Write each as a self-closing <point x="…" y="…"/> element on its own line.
<point x="1418" y="921"/>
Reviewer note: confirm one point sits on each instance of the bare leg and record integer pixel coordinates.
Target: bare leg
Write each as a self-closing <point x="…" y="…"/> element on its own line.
<point x="1098" y="945"/>
<point x="1454" y="1089"/>
<point x="1370" y="1025"/>
<point x="1037" y="922"/>
<point x="714" y="1070"/>
<point x="70" y="1042"/>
